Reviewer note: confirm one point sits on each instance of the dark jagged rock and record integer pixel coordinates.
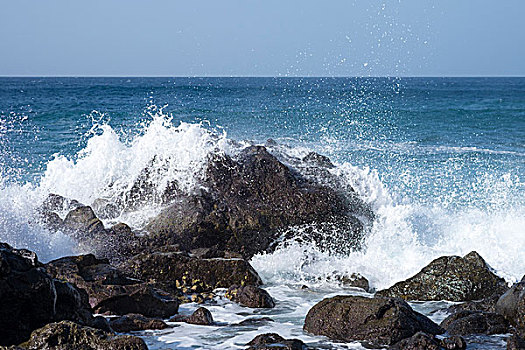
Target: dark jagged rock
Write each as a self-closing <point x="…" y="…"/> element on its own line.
<point x="355" y="280"/>
<point x="423" y="341"/>
<point x="450" y="278"/>
<point x="318" y="160"/>
<point x="96" y="276"/>
<point x="512" y="305"/>
<point x="111" y="290"/>
<point x="377" y="320"/>
<point x="172" y="266"/>
<point x="83" y="221"/>
<point x="72" y="304"/>
<point x="68" y="335"/>
<point x="27" y="295"/>
<point x="250" y="296"/>
<point x="273" y="341"/>
<point x="515" y="342"/>
<point x="254" y="322"/>
<point x="201" y="316"/>
<point x="145" y="300"/>
<point x="249" y="200"/>
<point x="475" y="322"/>
<point x="135" y="322"/>
<point x="486" y="305"/>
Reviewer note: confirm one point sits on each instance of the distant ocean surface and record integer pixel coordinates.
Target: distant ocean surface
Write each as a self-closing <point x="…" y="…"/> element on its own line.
<point x="440" y="160"/>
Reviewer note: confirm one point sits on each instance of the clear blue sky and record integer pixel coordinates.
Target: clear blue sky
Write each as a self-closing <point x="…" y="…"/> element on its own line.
<point x="269" y="38"/>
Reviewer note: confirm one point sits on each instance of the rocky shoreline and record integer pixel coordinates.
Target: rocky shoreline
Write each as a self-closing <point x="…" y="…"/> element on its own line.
<point x="134" y="281"/>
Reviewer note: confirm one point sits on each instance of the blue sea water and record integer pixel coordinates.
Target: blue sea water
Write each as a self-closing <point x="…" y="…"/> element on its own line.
<point x="440" y="160"/>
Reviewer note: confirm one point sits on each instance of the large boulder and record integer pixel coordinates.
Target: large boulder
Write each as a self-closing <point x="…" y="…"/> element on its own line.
<point x="475" y="322"/>
<point x="451" y="278"/>
<point x="68" y="335"/>
<point x="27" y="295"/>
<point x="379" y="321"/>
<point x="248" y="200"/>
<point x="512" y="305"/>
<point x="168" y="267"/>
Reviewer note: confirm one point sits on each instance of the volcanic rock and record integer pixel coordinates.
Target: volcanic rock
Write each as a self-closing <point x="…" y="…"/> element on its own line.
<point x="475" y="322"/>
<point x="250" y="296"/>
<point x="450" y="278"/>
<point x="168" y="267"/>
<point x="135" y="322"/>
<point x="248" y="201"/>
<point x="512" y="305"/>
<point x="273" y="341"/>
<point x="71" y="336"/>
<point x="380" y="321"/>
<point x="423" y="341"/>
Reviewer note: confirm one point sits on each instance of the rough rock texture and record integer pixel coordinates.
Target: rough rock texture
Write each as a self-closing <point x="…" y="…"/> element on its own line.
<point x="271" y="341"/>
<point x="172" y="266"/>
<point x="250" y="296"/>
<point x="515" y="342"/>
<point x="27" y="295"/>
<point x="512" y="305"/>
<point x="450" y="278"/>
<point x="145" y="300"/>
<point x="248" y="200"/>
<point x="486" y="305"/>
<point x="423" y="341"/>
<point x="201" y="316"/>
<point x="110" y="289"/>
<point x="67" y="335"/>
<point x="135" y="322"/>
<point x="475" y="322"/>
<point x="355" y="280"/>
<point x="375" y="320"/>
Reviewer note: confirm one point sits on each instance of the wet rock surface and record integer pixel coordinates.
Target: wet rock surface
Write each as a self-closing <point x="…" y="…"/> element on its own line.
<point x="423" y="341"/>
<point x="135" y="322"/>
<point x="475" y="322"/>
<point x="250" y="296"/>
<point x="270" y="341"/>
<point x="515" y="342"/>
<point x="201" y="317"/>
<point x="379" y="321"/>
<point x="451" y="278"/>
<point x="168" y="267"/>
<point x="69" y="335"/>
<point x="249" y="199"/>
<point x="512" y="305"/>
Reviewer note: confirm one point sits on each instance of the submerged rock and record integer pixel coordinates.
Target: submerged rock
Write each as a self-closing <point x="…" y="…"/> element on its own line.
<point x="168" y="267"/>
<point x="249" y="200"/>
<point x="475" y="322"/>
<point x="380" y="321"/>
<point x="135" y="322"/>
<point x="450" y="278"/>
<point x="512" y="305"/>
<point x="250" y="296"/>
<point x="273" y="341"/>
<point x="71" y="336"/>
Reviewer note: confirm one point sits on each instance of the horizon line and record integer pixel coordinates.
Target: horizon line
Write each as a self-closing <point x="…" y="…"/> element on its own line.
<point x="262" y="76"/>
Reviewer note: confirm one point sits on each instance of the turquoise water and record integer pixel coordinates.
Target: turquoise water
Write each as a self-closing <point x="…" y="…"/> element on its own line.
<point x="440" y="160"/>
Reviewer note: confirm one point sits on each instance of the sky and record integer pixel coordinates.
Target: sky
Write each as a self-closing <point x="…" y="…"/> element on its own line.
<point x="262" y="38"/>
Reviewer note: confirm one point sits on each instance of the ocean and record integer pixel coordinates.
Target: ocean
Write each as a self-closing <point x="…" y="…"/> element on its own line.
<point x="441" y="161"/>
